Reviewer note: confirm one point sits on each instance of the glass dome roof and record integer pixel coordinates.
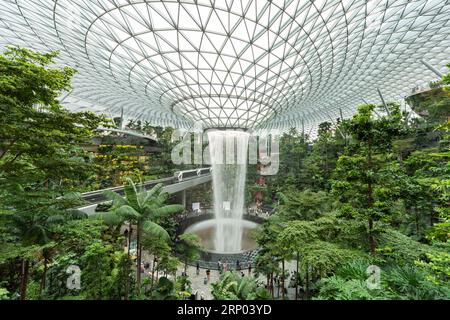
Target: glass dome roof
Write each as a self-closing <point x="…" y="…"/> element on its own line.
<point x="235" y="63"/>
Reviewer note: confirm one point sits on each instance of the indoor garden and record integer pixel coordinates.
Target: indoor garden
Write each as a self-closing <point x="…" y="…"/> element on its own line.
<point x="285" y="150"/>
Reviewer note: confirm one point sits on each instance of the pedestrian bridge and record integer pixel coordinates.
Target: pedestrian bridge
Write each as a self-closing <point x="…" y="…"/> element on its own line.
<point x="179" y="182"/>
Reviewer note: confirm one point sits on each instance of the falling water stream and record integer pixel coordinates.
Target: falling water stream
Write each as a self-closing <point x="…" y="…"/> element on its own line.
<point x="228" y="155"/>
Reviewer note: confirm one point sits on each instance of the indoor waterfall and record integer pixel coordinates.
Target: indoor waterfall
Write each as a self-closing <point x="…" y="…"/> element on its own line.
<point x="228" y="156"/>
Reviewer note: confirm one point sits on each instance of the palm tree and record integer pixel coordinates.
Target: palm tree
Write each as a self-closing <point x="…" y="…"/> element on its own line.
<point x="231" y="286"/>
<point x="144" y="208"/>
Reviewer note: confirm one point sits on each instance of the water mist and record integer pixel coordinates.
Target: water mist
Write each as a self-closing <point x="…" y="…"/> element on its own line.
<point x="228" y="155"/>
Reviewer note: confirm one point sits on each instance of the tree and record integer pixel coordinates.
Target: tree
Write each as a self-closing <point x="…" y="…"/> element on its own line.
<point x="96" y="278"/>
<point x="321" y="161"/>
<point x="302" y="205"/>
<point x="121" y="275"/>
<point x="294" y="148"/>
<point x="161" y="251"/>
<point x="294" y="239"/>
<point x="231" y="286"/>
<point x="34" y="231"/>
<point x="39" y="154"/>
<point x="188" y="246"/>
<point x="143" y="207"/>
<point x="360" y="178"/>
<point x="165" y="290"/>
<point x="38" y="138"/>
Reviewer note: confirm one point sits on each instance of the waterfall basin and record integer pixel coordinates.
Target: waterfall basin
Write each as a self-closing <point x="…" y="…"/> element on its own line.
<point x="207" y="231"/>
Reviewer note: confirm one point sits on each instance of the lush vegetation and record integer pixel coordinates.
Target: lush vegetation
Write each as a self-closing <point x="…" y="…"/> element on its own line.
<point x="43" y="169"/>
<point x="361" y="211"/>
<point x="372" y="190"/>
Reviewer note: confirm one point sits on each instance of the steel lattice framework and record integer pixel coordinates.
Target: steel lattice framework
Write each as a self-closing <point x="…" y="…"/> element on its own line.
<point x="235" y="63"/>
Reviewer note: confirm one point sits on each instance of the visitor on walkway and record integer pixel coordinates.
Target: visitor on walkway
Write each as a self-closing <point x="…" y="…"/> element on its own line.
<point x="238" y="265"/>
<point x="219" y="266"/>
<point x="249" y="268"/>
<point x="208" y="274"/>
<point x="225" y="267"/>
<point x="198" y="268"/>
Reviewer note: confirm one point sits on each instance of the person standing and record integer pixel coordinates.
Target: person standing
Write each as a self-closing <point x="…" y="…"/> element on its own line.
<point x="198" y="268"/>
<point x="249" y="268"/>
<point x="208" y="275"/>
<point x="238" y="265"/>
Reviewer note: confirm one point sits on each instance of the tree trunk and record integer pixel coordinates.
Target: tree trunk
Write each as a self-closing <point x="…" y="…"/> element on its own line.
<point x="372" y="244"/>
<point x="44" y="275"/>
<point x="24" y="279"/>
<point x="417" y="220"/>
<point x="282" y="279"/>
<point x="371" y="237"/>
<point x="128" y="280"/>
<point x="307" y="282"/>
<point x="138" y="262"/>
<point x="278" y="287"/>
<point x="271" y="286"/>
<point x="153" y="273"/>
<point x="296" y="278"/>
<point x="130" y="231"/>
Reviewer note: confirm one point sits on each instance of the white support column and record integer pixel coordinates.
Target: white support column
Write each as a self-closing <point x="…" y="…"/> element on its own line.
<point x="384" y="101"/>
<point x="183" y="198"/>
<point x="432" y="69"/>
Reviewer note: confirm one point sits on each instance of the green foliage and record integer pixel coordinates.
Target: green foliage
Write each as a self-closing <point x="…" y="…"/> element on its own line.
<point x="337" y="288"/>
<point x="161" y="162"/>
<point x="433" y="104"/>
<point x="39" y="139"/>
<point x="405" y="282"/>
<point x="74" y="236"/>
<point x="183" y="287"/>
<point x="364" y="177"/>
<point x="165" y="290"/>
<point x="96" y="278"/>
<point x="121" y="275"/>
<point x="303" y="205"/>
<point x="395" y="247"/>
<point x="437" y="266"/>
<point x="4" y="294"/>
<point x="410" y="283"/>
<point x="377" y="183"/>
<point x="188" y="246"/>
<point x="57" y="277"/>
<point x="145" y="207"/>
<point x="41" y="162"/>
<point x="231" y="286"/>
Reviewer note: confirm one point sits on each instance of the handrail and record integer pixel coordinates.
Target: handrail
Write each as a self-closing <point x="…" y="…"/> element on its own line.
<point x="97" y="195"/>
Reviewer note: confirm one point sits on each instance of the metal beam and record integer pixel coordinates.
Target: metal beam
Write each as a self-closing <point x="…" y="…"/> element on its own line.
<point x="384" y="101"/>
<point x="432" y="69"/>
<point x="127" y="132"/>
